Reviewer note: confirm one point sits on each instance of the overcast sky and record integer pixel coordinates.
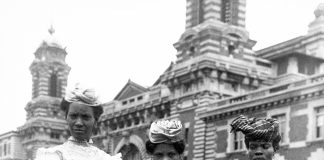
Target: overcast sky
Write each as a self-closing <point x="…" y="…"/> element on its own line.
<point x="111" y="41"/>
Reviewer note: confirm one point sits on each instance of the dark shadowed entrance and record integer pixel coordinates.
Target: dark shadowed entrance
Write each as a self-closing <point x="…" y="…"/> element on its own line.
<point x="130" y="152"/>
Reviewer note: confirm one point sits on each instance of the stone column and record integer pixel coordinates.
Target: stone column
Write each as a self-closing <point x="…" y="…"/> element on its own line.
<point x="321" y="68"/>
<point x="292" y="65"/>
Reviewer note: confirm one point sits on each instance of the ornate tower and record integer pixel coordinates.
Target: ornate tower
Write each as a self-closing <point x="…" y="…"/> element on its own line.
<point x="45" y="125"/>
<point x="215" y="60"/>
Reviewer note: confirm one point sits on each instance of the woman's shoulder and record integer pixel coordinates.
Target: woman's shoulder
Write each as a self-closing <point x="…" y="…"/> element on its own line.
<point x="107" y="156"/>
<point x="52" y="153"/>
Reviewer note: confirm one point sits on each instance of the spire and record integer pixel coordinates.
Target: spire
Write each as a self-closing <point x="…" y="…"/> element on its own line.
<point x="51" y="40"/>
<point x="51" y="30"/>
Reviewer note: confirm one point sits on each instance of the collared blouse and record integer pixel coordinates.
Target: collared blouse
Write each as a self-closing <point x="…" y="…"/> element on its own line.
<point x="74" y="150"/>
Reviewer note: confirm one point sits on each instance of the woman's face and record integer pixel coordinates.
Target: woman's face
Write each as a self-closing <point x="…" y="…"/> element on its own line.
<point x="81" y="121"/>
<point x="165" y="152"/>
<point x="259" y="150"/>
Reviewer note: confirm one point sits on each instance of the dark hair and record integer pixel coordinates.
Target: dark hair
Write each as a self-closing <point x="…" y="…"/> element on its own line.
<point x="97" y="110"/>
<point x="275" y="143"/>
<point x="178" y="146"/>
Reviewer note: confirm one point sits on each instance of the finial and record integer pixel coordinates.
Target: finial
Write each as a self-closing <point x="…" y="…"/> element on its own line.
<point x="51" y="30"/>
<point x="319" y="10"/>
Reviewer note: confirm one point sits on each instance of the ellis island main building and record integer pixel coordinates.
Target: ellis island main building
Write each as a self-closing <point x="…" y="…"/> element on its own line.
<point x="216" y="77"/>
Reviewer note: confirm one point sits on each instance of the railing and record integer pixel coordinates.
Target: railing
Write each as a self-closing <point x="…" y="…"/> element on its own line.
<point x="272" y="90"/>
<point x="216" y="60"/>
<point x="115" y="111"/>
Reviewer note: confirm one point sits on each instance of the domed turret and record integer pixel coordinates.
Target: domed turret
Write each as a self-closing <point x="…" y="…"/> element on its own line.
<point x="319" y="10"/>
<point x="318" y="24"/>
<point x="51" y="40"/>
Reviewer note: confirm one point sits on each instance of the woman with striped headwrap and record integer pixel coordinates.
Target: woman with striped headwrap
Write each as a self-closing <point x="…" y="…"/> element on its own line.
<point x="261" y="136"/>
<point x="164" y="140"/>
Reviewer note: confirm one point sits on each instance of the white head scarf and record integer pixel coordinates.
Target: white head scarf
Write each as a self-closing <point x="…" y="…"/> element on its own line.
<point x="83" y="95"/>
<point x="165" y="131"/>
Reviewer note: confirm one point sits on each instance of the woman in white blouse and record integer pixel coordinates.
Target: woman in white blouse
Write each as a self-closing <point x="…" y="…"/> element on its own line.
<point x="82" y="110"/>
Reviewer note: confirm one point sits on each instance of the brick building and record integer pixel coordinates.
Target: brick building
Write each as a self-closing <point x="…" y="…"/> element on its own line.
<point x="218" y="76"/>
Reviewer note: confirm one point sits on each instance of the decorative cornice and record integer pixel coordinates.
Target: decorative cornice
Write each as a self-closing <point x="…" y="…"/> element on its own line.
<point x="265" y="99"/>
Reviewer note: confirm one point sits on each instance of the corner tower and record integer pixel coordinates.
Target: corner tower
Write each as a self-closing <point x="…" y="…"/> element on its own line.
<point x="45" y="125"/>
<point x="215" y="61"/>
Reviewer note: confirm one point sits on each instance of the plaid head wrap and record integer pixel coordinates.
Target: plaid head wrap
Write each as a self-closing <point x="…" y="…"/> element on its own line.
<point x="165" y="131"/>
<point x="82" y="95"/>
<point x="257" y="129"/>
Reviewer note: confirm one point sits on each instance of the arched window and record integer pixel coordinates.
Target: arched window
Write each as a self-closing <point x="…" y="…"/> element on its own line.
<point x="36" y="85"/>
<point x="226" y="11"/>
<point x="130" y="152"/>
<point x="53" y="90"/>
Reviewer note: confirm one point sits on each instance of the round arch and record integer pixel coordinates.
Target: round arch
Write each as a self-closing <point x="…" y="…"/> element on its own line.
<point x="133" y="139"/>
<point x="188" y="33"/>
<point x="244" y="35"/>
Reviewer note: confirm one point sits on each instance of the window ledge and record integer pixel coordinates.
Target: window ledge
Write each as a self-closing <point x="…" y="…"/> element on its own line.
<point x="315" y="141"/>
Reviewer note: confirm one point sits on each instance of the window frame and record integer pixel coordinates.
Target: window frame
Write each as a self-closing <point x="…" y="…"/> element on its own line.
<point x="230" y="140"/>
<point x="284" y="136"/>
<point x="315" y="123"/>
<point x="282" y="111"/>
<point x="240" y="142"/>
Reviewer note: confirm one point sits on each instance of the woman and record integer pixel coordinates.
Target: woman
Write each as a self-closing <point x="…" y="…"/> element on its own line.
<point x="164" y="140"/>
<point x="261" y="136"/>
<point x="82" y="111"/>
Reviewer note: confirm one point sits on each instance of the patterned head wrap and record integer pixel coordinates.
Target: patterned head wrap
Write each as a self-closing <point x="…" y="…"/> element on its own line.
<point x="82" y="95"/>
<point x="257" y="129"/>
<point x="165" y="131"/>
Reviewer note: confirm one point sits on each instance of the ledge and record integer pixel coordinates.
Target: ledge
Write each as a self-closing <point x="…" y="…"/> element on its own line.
<point x="315" y="141"/>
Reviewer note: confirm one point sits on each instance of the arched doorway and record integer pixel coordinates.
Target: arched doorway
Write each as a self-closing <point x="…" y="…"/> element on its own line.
<point x="130" y="152"/>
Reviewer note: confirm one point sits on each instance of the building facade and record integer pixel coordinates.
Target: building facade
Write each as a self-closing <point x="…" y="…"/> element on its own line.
<point x="11" y="147"/>
<point x="218" y="76"/>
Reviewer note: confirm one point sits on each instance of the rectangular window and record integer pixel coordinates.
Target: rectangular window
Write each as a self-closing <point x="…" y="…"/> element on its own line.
<point x="238" y="141"/>
<point x="4" y="149"/>
<point x="201" y="11"/>
<point x="231" y="86"/>
<point x="186" y="135"/>
<point x="306" y="66"/>
<point x="55" y="135"/>
<point x="282" y="126"/>
<point x="8" y="146"/>
<point x="282" y="66"/>
<point x="186" y="87"/>
<point x="319" y="122"/>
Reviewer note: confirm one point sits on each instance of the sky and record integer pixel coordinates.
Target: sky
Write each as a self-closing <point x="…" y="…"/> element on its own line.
<point x="109" y="42"/>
